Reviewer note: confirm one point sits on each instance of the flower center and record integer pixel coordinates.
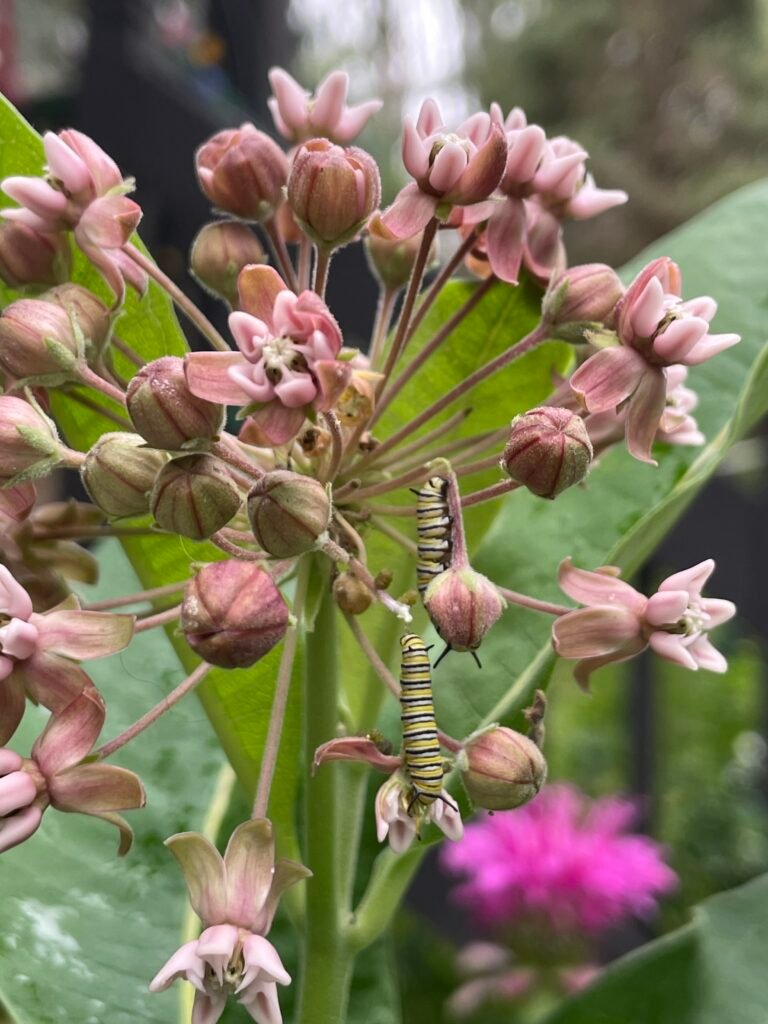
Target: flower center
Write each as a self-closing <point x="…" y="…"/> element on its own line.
<point x="694" y="620"/>
<point x="439" y="143"/>
<point x="278" y="355"/>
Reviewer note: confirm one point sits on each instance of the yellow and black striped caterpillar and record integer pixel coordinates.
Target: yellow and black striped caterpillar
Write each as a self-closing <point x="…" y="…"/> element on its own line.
<point x="421" y="746"/>
<point x="434" y="531"/>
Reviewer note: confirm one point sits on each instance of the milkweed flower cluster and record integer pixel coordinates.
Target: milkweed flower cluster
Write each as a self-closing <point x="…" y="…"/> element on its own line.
<point x="277" y="511"/>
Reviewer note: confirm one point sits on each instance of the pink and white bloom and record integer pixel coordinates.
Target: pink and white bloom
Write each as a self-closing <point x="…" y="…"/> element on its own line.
<point x="287" y="360"/>
<point x="460" y="168"/>
<point x="399" y="820"/>
<point x="83" y="192"/>
<point x="617" y="622"/>
<point x="656" y="330"/>
<point x="563" y="867"/>
<point x="55" y="776"/>
<point x="235" y="897"/>
<point x="39" y="653"/>
<point x="298" y="115"/>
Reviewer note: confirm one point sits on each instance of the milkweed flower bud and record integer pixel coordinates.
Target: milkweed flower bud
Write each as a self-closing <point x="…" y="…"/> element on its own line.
<point x="504" y="769"/>
<point x="242" y="171"/>
<point x="119" y="472"/>
<point x="390" y="258"/>
<point x="163" y="409"/>
<point x="463" y="605"/>
<point x="219" y="253"/>
<point x="288" y="513"/>
<point x="548" y="450"/>
<point x="233" y="614"/>
<point x="32" y="257"/>
<point x="194" y="495"/>
<point x="581" y="298"/>
<point x="351" y="594"/>
<point x="29" y="444"/>
<point x="332" y="191"/>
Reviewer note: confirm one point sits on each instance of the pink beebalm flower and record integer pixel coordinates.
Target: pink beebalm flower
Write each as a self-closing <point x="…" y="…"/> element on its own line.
<point x="287" y="364"/>
<point x="563" y="866"/>
<point x="235" y="897"/>
<point x="39" y="653"/>
<point x="83" y="192"/>
<point x="617" y="622"/>
<point x="298" y="115"/>
<point x="55" y="775"/>
<point x="655" y="330"/>
<point x="449" y="168"/>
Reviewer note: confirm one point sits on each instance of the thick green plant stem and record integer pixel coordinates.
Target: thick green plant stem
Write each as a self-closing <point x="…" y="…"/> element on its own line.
<point x="327" y="959"/>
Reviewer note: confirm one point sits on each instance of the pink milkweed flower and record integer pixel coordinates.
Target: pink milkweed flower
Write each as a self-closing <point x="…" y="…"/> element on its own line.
<point x="560" y="868"/>
<point x="617" y="622"/>
<point x="655" y="330"/>
<point x="299" y="116"/>
<point x="55" y="775"/>
<point x="83" y="192"/>
<point x="398" y="821"/>
<point x="39" y="653"/>
<point x="235" y="897"/>
<point x="450" y="168"/>
<point x="287" y="364"/>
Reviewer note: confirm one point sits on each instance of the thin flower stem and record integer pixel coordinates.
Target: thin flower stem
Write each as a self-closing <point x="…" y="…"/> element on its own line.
<point x="433" y="345"/>
<point x="470" y="468"/>
<point x="322" y="263"/>
<point x="353" y="535"/>
<point x="404" y="320"/>
<point x="442" y="278"/>
<point x="220" y="540"/>
<point x="225" y="449"/>
<point x="192" y="680"/>
<point x="305" y="263"/>
<point x="71" y="459"/>
<point x="140" y="597"/>
<point x="399" y="538"/>
<point x="91" y="532"/>
<point x="280" y="251"/>
<point x="93" y="380"/>
<point x="185" y="304"/>
<point x="514" y="597"/>
<point x="396" y="458"/>
<point x="129" y="353"/>
<point x="391" y="510"/>
<point x="531" y="340"/>
<point x="159" y="619"/>
<point x="384" y="309"/>
<point x="464" y="446"/>
<point x="337" y="449"/>
<point x="280" y="701"/>
<point x="489" y="493"/>
<point x="385" y="486"/>
<point x="102" y="410"/>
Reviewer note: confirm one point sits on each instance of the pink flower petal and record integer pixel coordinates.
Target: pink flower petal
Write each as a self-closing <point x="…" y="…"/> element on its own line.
<point x="71" y="734"/>
<point x="10" y="761"/>
<point x="332" y="377"/>
<point x="104" y="171"/>
<point x="209" y="376"/>
<point x="524" y="154"/>
<point x="609" y="377"/>
<point x="18" y="639"/>
<point x="258" y="287"/>
<point x="17" y="790"/>
<point x="598" y="588"/>
<point x="544" y="251"/>
<point x="691" y="580"/>
<point x="647" y="309"/>
<point x="447" y="817"/>
<point x="208" y="1008"/>
<point x="261" y="1003"/>
<point x="594" y="632"/>
<point x="430" y="119"/>
<point x="96" y="788"/>
<point x="203" y="868"/>
<point x="249" y="862"/>
<point x="590" y="201"/>
<point x="671" y="647"/>
<point x="504" y="239"/>
<point x="14" y="600"/>
<point x="261" y="960"/>
<point x="415" y="151"/>
<point x="707" y="656"/>
<point x="287" y="873"/>
<point x="18" y="827"/>
<point x="356" y="748"/>
<point x="678" y="338"/>
<point x="666" y="607"/>
<point x="710" y="346"/>
<point x="354" y="119"/>
<point x="65" y="164"/>
<point x="646" y="407"/>
<point x="330" y="98"/>
<point x="448" y="166"/>
<point x="37" y="195"/>
<point x="272" y="425"/>
<point x="217" y="945"/>
<point x="108" y="222"/>
<point x="84" y="635"/>
<point x="249" y="333"/>
<point x="552" y="173"/>
<point x="410" y="213"/>
<point x="703" y="306"/>
<point x="484" y="170"/>
<point x="296" y="391"/>
<point x="51" y="680"/>
<point x="718" y="610"/>
<point x="185" y="963"/>
<point x="290" y="98"/>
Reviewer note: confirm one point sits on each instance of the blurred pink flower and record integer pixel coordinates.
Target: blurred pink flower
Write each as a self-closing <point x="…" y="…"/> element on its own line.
<point x="287" y="361"/>
<point x="563" y="862"/>
<point x="299" y="116"/>
<point x="655" y="330"/>
<point x="618" y="622"/>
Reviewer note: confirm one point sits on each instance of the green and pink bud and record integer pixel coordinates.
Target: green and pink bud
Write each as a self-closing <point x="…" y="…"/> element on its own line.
<point x="243" y="172"/>
<point x="501" y="768"/>
<point x="289" y="513"/>
<point x="29" y="444"/>
<point x="30" y="258"/>
<point x="119" y="473"/>
<point x="463" y="605"/>
<point x="548" y="450"/>
<point x="219" y="253"/>
<point x="165" y="412"/>
<point x="581" y="299"/>
<point x="194" y="495"/>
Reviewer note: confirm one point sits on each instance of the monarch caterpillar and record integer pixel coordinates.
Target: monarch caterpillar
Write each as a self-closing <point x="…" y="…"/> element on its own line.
<point x="434" y="531"/>
<point x="421" y="746"/>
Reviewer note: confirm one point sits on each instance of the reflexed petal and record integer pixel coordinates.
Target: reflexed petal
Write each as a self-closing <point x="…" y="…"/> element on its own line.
<point x="185" y="963"/>
<point x="249" y="861"/>
<point x="598" y="588"/>
<point x="590" y="201"/>
<point x="70" y="734"/>
<point x="65" y="164"/>
<point x="692" y="580"/>
<point x="272" y="425"/>
<point x="96" y="788"/>
<point x="609" y="377"/>
<point x="207" y="1009"/>
<point x="290" y="99"/>
<point x="37" y="196"/>
<point x="328" y="105"/>
<point x="671" y="646"/>
<point x="14" y="600"/>
<point x="484" y="171"/>
<point x="203" y="868"/>
<point x="710" y="346"/>
<point x="447" y="167"/>
<point x="415" y="150"/>
<point x="402" y="832"/>
<point x="287" y="873"/>
<point x="18" y="827"/>
<point x="707" y="656"/>
<point x="84" y="635"/>
<point x="410" y="213"/>
<point x="108" y="222"/>
<point x="505" y="235"/>
<point x="447" y="817"/>
<point x="262" y="1004"/>
<point x="333" y="377"/>
<point x="718" y="610"/>
<point x="208" y="376"/>
<point x="646" y="407"/>
<point x="678" y="338"/>
<point x="594" y="632"/>
<point x="584" y="668"/>
<point x="258" y="286"/>
<point x="52" y="681"/>
<point x="544" y="250"/>
<point x="666" y="607"/>
<point x="354" y="118"/>
<point x="430" y="118"/>
<point x="261" y="960"/>
<point x="356" y="748"/>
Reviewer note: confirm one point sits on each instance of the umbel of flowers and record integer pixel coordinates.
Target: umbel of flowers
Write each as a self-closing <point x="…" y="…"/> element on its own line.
<point x="293" y="492"/>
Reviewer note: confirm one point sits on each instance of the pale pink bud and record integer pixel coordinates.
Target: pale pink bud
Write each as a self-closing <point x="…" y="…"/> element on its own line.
<point x="219" y="253"/>
<point x="288" y="513"/>
<point x="233" y="614"/>
<point x="332" y="191"/>
<point x="548" y="450"/>
<point x="242" y="171"/>
<point x="163" y="409"/>
<point x="29" y="443"/>
<point x="581" y="297"/>
<point x="32" y="257"/>
<point x="504" y="769"/>
<point x="463" y="605"/>
<point x="119" y="472"/>
<point x="194" y="495"/>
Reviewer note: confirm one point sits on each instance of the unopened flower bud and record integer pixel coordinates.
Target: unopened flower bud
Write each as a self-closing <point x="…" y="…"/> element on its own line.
<point x="87" y="313"/>
<point x="580" y="299"/>
<point x="219" y="253"/>
<point x="194" y="495"/>
<point x="32" y="257"/>
<point x="288" y="513"/>
<point x="548" y="450"/>
<point x="163" y="409"/>
<point x="233" y="614"/>
<point x="332" y="191"/>
<point x="119" y="472"/>
<point x="243" y="171"/>
<point x="504" y="769"/>
<point x="351" y="594"/>
<point x="463" y="605"/>
<point x="29" y="444"/>
<point x="390" y="258"/>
